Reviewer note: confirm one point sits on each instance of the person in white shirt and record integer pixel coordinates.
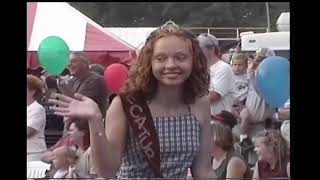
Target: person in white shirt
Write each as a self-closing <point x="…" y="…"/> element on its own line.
<point x="221" y="76"/>
<point x="36" y="119"/>
<point x="239" y="66"/>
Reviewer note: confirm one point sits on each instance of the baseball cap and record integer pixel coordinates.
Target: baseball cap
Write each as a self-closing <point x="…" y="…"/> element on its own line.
<point x="208" y="40"/>
<point x="226" y="118"/>
<point x="265" y="52"/>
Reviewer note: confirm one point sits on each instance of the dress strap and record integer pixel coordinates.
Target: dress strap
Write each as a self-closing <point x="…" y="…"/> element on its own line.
<point x="189" y="109"/>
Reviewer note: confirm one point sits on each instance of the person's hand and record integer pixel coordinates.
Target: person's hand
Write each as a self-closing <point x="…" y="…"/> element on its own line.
<point x="72" y="168"/>
<point x="252" y="66"/>
<point x="44" y="74"/>
<point x="236" y="113"/>
<point x="284" y="113"/>
<point x="78" y="107"/>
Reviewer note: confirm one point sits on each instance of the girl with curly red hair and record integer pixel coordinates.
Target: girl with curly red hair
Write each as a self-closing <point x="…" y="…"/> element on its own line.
<point x="171" y="77"/>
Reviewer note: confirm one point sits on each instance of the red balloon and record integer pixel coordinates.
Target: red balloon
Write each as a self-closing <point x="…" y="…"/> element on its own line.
<point x="115" y="76"/>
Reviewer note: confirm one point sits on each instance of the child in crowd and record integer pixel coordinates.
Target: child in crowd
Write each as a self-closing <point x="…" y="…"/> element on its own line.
<point x="239" y="66"/>
<point x="64" y="161"/>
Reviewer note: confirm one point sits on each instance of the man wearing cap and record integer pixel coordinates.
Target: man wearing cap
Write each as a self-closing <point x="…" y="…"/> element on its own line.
<point x="221" y="75"/>
<point x="257" y="111"/>
<point x="226" y="118"/>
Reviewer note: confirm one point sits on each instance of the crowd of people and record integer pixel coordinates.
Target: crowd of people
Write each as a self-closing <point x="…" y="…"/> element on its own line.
<point x="182" y="112"/>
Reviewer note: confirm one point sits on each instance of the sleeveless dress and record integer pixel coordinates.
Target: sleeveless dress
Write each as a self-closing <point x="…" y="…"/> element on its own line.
<point x="266" y="172"/>
<point x="221" y="171"/>
<point x="179" y="139"/>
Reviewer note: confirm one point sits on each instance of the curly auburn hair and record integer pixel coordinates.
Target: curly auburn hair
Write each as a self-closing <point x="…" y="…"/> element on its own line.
<point x="142" y="81"/>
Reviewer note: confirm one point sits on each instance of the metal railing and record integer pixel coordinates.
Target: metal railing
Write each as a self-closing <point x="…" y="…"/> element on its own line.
<point x="220" y="31"/>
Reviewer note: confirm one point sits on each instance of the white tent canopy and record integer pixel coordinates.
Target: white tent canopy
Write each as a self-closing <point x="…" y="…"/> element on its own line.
<point x="50" y="22"/>
<point x="79" y="32"/>
<point x="134" y="36"/>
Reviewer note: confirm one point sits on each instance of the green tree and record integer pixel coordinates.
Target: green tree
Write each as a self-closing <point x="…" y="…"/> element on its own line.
<point x="192" y="14"/>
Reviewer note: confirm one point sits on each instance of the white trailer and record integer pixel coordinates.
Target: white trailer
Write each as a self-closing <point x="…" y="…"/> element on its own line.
<point x="277" y="41"/>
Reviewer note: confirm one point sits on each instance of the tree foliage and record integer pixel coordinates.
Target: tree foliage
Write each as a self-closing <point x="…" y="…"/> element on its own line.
<point x="191" y="14"/>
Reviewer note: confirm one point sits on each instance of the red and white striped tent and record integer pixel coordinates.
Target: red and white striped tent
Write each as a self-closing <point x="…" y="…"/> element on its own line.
<point x="80" y="33"/>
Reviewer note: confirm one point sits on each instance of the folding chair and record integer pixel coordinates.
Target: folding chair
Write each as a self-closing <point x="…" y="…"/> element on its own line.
<point x="37" y="169"/>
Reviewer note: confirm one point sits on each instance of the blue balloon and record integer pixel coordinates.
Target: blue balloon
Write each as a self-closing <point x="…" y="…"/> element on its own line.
<point x="273" y="80"/>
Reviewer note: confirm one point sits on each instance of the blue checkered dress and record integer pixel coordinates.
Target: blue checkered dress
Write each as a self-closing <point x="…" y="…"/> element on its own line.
<point x="179" y="139"/>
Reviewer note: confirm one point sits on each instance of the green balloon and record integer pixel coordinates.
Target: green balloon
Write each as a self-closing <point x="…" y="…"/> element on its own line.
<point x="54" y="55"/>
